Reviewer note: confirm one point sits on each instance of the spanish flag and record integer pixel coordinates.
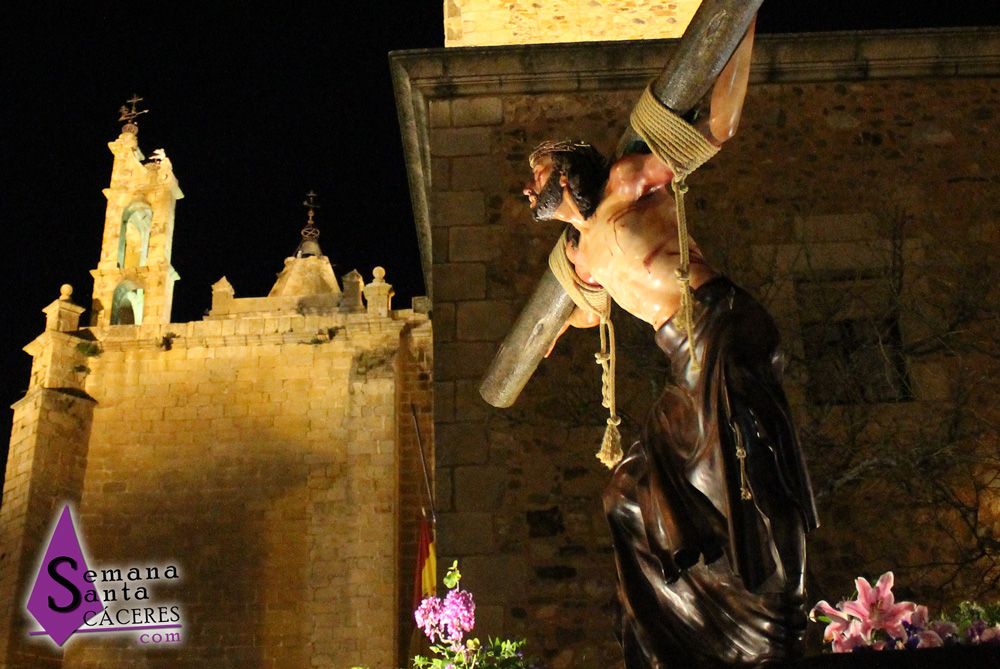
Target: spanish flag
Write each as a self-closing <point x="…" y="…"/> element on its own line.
<point x="425" y="575"/>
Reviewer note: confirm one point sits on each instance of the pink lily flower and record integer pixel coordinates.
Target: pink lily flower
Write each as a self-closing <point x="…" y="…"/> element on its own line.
<point x="853" y="638"/>
<point x="876" y="608"/>
<point x="838" y="621"/>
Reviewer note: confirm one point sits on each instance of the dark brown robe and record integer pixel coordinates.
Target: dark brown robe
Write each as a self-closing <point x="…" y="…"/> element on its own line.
<point x="706" y="578"/>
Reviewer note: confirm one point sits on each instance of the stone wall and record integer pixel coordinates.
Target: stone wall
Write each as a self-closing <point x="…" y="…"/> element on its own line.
<point x="491" y="23"/>
<point x="868" y="160"/>
<point x="272" y="458"/>
<point x="45" y="469"/>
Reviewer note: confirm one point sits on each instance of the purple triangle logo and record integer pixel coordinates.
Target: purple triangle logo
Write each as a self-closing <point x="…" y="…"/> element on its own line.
<point x="62" y="600"/>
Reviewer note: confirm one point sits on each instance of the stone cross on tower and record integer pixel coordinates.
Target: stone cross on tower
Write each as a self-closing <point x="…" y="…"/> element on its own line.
<point x="134" y="278"/>
<point x="309" y="246"/>
<point x="130" y="113"/>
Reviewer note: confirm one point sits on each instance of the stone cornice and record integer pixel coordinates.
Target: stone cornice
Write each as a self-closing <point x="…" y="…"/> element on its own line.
<point x="426" y="74"/>
<point x="33" y="393"/>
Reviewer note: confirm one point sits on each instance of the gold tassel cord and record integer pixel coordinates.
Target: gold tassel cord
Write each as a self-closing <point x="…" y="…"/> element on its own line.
<point x="611" y="446"/>
<point x="684" y="270"/>
<point x="674" y="141"/>
<point x="595" y="301"/>
<point x="741" y="451"/>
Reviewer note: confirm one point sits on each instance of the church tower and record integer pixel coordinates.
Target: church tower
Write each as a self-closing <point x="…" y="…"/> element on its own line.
<point x="270" y="451"/>
<point x="134" y="280"/>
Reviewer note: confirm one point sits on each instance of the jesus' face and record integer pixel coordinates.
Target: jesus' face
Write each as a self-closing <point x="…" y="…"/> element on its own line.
<point x="545" y="192"/>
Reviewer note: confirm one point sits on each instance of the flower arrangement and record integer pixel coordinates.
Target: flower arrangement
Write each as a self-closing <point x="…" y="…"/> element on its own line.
<point x="446" y="621"/>
<point x="875" y="620"/>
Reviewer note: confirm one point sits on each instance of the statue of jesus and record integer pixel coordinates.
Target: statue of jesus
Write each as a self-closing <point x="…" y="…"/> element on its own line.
<point x="709" y="510"/>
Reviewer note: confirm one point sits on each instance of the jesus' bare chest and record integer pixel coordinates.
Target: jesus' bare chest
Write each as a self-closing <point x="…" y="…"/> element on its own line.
<point x="632" y="250"/>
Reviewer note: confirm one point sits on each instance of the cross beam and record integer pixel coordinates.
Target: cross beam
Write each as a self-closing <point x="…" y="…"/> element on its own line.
<point x="709" y="41"/>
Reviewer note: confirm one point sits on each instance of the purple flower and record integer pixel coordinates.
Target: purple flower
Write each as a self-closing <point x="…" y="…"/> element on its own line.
<point x="929" y="639"/>
<point x="979" y="632"/>
<point x="428" y="617"/>
<point x="975" y="631"/>
<point x="458" y="614"/>
<point x="945" y="629"/>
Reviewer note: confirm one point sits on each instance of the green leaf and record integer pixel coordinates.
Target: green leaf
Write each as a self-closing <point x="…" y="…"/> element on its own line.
<point x="991" y="613"/>
<point x="453" y="576"/>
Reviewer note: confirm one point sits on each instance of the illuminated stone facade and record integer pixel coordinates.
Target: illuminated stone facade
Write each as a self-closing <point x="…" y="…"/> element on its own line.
<point x="268" y="451"/>
<point x="497" y="22"/>
<point x="859" y="200"/>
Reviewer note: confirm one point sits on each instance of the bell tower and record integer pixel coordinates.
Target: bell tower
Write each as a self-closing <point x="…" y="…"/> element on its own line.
<point x="134" y="280"/>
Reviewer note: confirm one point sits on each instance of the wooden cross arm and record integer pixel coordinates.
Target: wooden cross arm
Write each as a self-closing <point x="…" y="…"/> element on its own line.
<point x="709" y="41"/>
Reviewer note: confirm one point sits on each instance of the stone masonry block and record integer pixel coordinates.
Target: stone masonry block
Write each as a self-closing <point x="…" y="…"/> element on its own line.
<point x="474" y="172"/>
<point x="458" y="208"/>
<point x="460" y="444"/>
<point x="468" y="403"/>
<point x="444" y="400"/>
<point x="837" y="228"/>
<point x="444" y="321"/>
<point x="479" y="487"/>
<point x="483" y="321"/>
<point x="495" y="578"/>
<point x="460" y="141"/>
<point x="481" y="242"/>
<point x="443" y="488"/>
<point x="459" y="281"/>
<point x="462" y="360"/>
<point x="439" y="242"/>
<point x="476" y="111"/>
<point x="466" y="533"/>
<point x="439" y="113"/>
<point x="440" y="174"/>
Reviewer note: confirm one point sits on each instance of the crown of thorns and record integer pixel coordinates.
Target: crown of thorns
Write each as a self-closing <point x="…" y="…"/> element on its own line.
<point x="554" y="146"/>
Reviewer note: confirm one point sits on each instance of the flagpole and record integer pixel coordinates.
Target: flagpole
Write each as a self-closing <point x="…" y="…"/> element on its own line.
<point x="419" y="644"/>
<point x="423" y="464"/>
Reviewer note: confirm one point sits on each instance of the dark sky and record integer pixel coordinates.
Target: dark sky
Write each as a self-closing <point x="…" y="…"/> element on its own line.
<point x="254" y="108"/>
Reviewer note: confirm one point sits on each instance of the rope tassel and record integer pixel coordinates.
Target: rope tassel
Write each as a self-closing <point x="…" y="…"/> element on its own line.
<point x="611" y="446"/>
<point x="595" y="301"/>
<point x="683" y="148"/>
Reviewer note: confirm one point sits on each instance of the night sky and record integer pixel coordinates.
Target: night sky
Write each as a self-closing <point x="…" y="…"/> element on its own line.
<point x="254" y="108"/>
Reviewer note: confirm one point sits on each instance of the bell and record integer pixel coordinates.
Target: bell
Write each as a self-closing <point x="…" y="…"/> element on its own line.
<point x="307" y="248"/>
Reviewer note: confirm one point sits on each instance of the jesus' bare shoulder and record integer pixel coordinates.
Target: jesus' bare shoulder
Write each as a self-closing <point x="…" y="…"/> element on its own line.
<point x="625" y="215"/>
<point x="630" y="245"/>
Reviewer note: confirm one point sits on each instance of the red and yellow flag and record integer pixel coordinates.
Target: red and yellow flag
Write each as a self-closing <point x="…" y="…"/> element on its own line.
<point x="425" y="575"/>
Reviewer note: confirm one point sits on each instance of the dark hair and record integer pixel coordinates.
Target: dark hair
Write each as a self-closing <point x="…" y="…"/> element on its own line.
<point x="585" y="169"/>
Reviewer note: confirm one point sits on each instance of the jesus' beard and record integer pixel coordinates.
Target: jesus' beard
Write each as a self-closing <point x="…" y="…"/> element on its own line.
<point x="548" y="199"/>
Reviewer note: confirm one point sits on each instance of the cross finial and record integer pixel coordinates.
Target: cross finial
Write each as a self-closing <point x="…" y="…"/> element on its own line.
<point x="309" y="246"/>
<point x="130" y="113"/>
<point x="310" y="204"/>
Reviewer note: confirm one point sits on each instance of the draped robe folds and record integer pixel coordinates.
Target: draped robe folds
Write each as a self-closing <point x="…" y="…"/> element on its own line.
<point x="706" y="577"/>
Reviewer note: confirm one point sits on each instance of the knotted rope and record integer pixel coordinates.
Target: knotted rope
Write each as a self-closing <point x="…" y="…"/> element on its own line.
<point x="674" y="141"/>
<point x="595" y="301"/>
